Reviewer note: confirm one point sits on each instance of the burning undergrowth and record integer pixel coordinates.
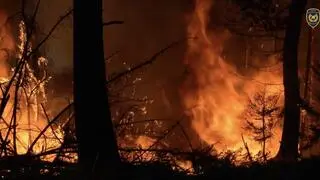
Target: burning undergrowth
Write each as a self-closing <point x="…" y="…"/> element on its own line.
<point x="26" y="127"/>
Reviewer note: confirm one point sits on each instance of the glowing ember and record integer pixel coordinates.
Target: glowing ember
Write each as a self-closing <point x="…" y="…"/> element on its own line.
<point x="145" y="142"/>
<point x="216" y="95"/>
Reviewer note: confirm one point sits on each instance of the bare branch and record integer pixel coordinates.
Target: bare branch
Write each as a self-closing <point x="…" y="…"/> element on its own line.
<point x="112" y="22"/>
<point x="49" y="125"/>
<point x="147" y="62"/>
<point x="52" y="30"/>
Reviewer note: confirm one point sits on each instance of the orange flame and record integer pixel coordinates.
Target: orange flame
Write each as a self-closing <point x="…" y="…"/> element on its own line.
<point x="25" y="107"/>
<point x="215" y="94"/>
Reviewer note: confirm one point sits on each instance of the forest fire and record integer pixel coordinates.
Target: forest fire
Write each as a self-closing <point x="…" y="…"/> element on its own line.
<point x="216" y="96"/>
<point x="231" y="94"/>
<point x="24" y="124"/>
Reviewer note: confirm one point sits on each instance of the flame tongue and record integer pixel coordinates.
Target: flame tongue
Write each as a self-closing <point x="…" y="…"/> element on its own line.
<point x="213" y="93"/>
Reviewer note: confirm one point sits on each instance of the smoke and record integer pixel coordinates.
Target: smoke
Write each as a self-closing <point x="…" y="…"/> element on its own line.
<point x="149" y="26"/>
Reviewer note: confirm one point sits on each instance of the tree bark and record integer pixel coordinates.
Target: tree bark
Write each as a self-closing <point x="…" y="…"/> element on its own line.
<point x="98" y="152"/>
<point x="290" y="137"/>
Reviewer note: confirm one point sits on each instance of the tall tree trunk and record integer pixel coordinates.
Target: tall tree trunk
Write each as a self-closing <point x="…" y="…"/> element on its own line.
<point x="290" y="137"/>
<point x="98" y="152"/>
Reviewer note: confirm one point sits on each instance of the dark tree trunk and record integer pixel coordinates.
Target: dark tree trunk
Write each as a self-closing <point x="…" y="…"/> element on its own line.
<point x="98" y="152"/>
<point x="290" y="137"/>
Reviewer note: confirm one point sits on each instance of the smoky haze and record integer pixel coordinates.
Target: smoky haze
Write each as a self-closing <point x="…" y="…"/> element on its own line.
<point x="148" y="27"/>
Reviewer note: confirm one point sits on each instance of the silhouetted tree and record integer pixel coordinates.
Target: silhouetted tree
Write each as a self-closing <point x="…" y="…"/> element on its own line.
<point x="98" y="152"/>
<point x="262" y="116"/>
<point x="291" y="125"/>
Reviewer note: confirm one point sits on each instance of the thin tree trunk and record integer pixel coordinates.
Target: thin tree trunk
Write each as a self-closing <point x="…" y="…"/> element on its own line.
<point x="290" y="137"/>
<point x="98" y="152"/>
<point x="264" y="128"/>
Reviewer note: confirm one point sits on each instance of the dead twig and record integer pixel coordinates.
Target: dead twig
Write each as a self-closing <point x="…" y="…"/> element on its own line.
<point x="45" y="129"/>
<point x="112" y="22"/>
<point x="147" y="62"/>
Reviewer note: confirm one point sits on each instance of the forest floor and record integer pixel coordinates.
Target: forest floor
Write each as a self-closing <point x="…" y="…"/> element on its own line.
<point x="24" y="168"/>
